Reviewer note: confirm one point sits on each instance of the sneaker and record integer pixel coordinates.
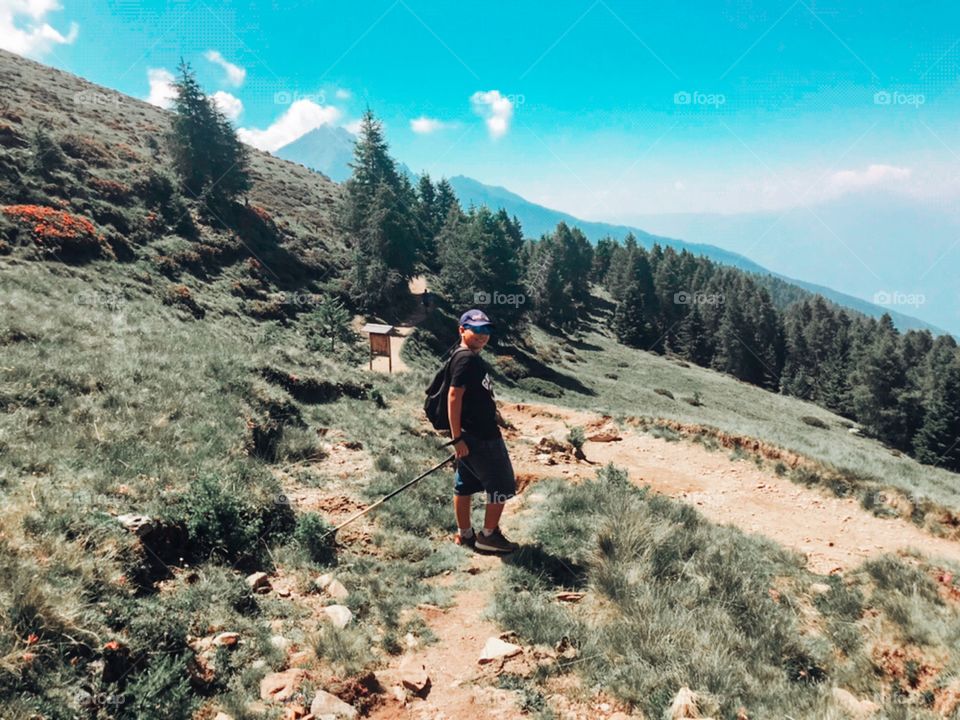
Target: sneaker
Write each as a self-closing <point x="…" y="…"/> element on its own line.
<point x="465" y="541"/>
<point x="494" y="542"/>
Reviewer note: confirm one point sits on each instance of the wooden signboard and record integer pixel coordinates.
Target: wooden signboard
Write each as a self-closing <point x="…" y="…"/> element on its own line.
<point x="379" y="342"/>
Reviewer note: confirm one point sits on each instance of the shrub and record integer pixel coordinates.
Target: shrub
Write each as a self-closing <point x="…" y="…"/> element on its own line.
<point x="665" y="393"/>
<point x="814" y="422"/>
<point x="111" y="190"/>
<point x="228" y="521"/>
<point x="179" y="295"/>
<point x="313" y="535"/>
<point x="86" y="149"/>
<point x="540" y="387"/>
<point x="59" y="234"/>
<point x="47" y="154"/>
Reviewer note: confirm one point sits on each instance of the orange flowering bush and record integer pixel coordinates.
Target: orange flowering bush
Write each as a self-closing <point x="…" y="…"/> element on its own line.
<point x="57" y="233"/>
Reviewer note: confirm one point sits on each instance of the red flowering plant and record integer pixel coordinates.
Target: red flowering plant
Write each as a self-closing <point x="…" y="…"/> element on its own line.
<point x="59" y="234"/>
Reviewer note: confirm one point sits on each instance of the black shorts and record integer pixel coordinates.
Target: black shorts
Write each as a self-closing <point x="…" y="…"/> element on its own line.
<point x="486" y="469"/>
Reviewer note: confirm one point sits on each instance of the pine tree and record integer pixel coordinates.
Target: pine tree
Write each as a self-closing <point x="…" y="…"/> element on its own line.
<point x="481" y="265"/>
<point x="379" y="218"/>
<point x="879" y="384"/>
<point x="937" y="442"/>
<point x="211" y="161"/>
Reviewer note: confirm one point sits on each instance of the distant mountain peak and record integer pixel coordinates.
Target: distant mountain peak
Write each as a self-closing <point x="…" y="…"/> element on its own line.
<point x="327" y="149"/>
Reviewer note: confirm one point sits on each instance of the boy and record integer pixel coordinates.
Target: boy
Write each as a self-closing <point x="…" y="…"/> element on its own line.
<point x="482" y="460"/>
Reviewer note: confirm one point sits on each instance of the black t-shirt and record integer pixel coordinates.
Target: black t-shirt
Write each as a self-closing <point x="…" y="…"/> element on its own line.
<point x="478" y="415"/>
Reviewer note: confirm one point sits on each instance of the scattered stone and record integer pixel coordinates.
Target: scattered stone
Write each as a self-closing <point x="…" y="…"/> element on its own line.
<point x="684" y="705"/>
<point x="410" y="640"/>
<point x="259" y="582"/>
<point x="565" y="650"/>
<point x="570" y="596"/>
<point x="603" y="437"/>
<point x="281" y="686"/>
<point x="295" y="712"/>
<point x="497" y="649"/>
<point x="329" y="707"/>
<point x="300" y="659"/>
<point x="414" y="677"/>
<point x="222" y="716"/>
<point x="339" y="615"/>
<point x="852" y="706"/>
<point x="279" y="642"/>
<point x="226" y="639"/>
<point x="141" y="525"/>
<point x="332" y="587"/>
<point x="819" y="588"/>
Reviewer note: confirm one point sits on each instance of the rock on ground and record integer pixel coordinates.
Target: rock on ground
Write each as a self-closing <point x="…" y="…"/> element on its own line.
<point x="281" y="686"/>
<point x="495" y="649"/>
<point x="854" y="707"/>
<point x="339" y="615"/>
<point x="329" y="707"/>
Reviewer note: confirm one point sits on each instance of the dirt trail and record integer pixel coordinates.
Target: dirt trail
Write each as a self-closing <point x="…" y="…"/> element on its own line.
<point x="417" y="287"/>
<point x="835" y="534"/>
<point x="460" y="687"/>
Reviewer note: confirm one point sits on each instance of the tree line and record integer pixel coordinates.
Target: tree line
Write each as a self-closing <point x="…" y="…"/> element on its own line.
<point x="901" y="388"/>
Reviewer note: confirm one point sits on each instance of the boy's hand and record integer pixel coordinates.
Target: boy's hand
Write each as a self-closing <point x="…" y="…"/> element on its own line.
<point x="460" y="449"/>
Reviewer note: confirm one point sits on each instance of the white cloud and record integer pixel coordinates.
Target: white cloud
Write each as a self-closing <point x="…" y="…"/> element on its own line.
<point x="496" y="109"/>
<point x="353" y="126"/>
<point x="300" y="118"/>
<point x="162" y="92"/>
<point x="343" y="94"/>
<point x="424" y="125"/>
<point x="846" y="181"/>
<point x="23" y="30"/>
<point x="235" y="74"/>
<point x="229" y="105"/>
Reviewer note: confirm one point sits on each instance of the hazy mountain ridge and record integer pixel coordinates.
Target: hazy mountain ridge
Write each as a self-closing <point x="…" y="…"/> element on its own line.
<point x="537" y="220"/>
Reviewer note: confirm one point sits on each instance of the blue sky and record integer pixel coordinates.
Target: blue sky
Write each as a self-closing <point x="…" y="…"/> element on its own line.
<point x="604" y="108"/>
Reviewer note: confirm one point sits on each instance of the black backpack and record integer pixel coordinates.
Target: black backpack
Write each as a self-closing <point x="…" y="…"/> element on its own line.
<point x="435" y="406"/>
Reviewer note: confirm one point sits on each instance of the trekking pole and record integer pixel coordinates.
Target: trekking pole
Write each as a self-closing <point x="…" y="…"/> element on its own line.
<point x="387" y="497"/>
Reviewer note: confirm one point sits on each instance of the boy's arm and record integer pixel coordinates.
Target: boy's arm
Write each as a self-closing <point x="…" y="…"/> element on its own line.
<point x="454" y="406"/>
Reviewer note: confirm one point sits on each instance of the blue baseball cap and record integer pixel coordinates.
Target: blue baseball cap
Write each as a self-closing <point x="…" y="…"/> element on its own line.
<point x="475" y="318"/>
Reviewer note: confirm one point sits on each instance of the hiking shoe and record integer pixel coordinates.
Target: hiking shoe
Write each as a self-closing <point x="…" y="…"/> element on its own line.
<point x="464" y="541"/>
<point x="494" y="542"/>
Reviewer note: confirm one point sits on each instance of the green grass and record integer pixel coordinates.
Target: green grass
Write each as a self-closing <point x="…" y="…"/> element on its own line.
<point x="674" y="600"/>
<point x="132" y="406"/>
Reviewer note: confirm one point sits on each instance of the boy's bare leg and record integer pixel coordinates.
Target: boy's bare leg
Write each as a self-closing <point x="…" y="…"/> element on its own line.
<point x="461" y="508"/>
<point x="492" y="515"/>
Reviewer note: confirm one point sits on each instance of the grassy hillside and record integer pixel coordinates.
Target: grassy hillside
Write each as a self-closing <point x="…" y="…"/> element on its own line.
<point x="169" y="426"/>
<point x="592" y="371"/>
